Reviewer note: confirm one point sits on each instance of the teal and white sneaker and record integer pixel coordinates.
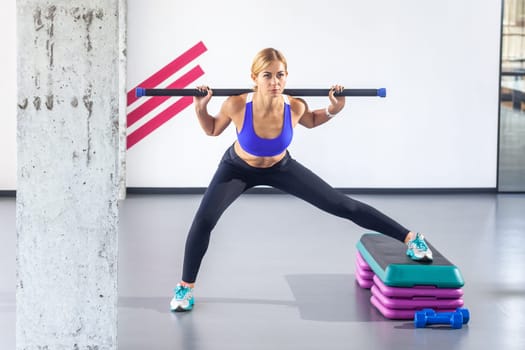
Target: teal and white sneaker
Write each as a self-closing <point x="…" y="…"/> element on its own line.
<point x="418" y="249"/>
<point x="183" y="299"/>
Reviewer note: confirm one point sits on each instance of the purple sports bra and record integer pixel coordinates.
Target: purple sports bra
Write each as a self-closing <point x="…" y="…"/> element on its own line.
<point x="263" y="147"/>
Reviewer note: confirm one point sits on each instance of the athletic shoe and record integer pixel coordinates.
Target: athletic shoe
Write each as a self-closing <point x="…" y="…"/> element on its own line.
<point x="418" y="249"/>
<point x="183" y="299"/>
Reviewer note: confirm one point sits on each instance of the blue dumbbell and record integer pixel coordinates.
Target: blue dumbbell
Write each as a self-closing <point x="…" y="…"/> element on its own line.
<point x="463" y="311"/>
<point x="456" y="319"/>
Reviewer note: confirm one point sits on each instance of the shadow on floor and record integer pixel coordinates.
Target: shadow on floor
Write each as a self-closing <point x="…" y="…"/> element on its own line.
<point x="318" y="297"/>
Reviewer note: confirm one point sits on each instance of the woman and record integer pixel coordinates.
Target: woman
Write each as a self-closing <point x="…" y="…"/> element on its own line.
<point x="264" y="121"/>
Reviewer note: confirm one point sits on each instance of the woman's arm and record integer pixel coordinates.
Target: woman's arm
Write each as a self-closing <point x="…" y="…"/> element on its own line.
<point x="212" y="125"/>
<point x="311" y="119"/>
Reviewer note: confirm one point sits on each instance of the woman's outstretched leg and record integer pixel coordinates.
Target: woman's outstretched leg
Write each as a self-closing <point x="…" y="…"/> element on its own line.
<point x="303" y="183"/>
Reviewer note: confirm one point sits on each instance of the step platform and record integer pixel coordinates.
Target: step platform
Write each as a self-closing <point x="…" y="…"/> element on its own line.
<point x="397" y="285"/>
<point x="387" y="258"/>
<point x="363" y="273"/>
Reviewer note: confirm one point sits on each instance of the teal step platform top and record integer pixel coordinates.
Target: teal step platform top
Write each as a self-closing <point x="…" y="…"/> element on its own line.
<point x="387" y="258"/>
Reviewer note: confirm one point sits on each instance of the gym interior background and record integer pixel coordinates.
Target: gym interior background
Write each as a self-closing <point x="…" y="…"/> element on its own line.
<point x="445" y="151"/>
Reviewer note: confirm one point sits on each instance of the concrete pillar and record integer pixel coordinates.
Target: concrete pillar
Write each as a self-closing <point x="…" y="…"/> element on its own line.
<point x="69" y="52"/>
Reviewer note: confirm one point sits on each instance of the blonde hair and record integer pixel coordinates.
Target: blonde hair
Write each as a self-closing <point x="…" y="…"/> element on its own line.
<point x="264" y="58"/>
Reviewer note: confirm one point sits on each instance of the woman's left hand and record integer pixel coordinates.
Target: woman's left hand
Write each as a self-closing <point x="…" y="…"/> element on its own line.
<point x="337" y="103"/>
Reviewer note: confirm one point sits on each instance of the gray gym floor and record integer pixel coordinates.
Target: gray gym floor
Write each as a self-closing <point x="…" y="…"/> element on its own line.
<point x="279" y="274"/>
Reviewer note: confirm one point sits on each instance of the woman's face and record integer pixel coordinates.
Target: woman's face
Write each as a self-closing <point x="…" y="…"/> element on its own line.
<point x="272" y="79"/>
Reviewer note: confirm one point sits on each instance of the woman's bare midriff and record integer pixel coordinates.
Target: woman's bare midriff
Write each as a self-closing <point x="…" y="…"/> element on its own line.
<point x="255" y="161"/>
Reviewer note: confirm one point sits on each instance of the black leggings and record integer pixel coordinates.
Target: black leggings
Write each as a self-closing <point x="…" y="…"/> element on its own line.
<point x="234" y="176"/>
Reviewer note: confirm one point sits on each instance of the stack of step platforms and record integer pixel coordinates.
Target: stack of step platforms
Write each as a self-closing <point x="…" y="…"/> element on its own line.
<point x="400" y="286"/>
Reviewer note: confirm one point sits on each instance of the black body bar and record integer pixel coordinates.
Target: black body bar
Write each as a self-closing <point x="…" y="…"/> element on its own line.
<point x="232" y="92"/>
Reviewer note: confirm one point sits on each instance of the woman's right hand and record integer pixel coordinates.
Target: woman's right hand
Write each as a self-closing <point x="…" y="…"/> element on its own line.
<point x="202" y="101"/>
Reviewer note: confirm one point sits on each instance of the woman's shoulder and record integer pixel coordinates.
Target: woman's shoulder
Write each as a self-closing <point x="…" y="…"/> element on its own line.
<point x="235" y="103"/>
<point x="297" y="103"/>
<point x="236" y="99"/>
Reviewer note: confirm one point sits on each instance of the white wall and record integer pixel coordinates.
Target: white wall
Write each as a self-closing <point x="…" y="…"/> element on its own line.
<point x="8" y="96"/>
<point x="439" y="61"/>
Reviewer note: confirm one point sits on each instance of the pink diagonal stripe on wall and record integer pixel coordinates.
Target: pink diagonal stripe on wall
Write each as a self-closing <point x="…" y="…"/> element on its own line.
<point x="170" y="69"/>
<point x="153" y="103"/>
<point x="158" y="120"/>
